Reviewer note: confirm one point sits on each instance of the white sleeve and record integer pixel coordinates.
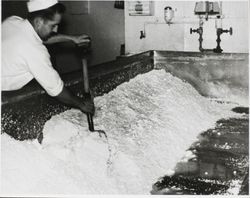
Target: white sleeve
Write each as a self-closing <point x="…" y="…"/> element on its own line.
<point x="41" y="68"/>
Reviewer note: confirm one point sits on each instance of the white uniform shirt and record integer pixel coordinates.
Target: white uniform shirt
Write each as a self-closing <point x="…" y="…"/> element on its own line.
<point x="24" y="57"/>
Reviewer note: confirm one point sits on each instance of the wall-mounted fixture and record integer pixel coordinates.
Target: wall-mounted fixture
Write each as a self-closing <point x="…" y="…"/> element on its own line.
<point x="219" y="31"/>
<point x="143" y="32"/>
<point x="168" y="18"/>
<point x="168" y="14"/>
<point x="218" y="40"/>
<point x="140" y="8"/>
<point x="200" y="32"/>
<point x="206" y="8"/>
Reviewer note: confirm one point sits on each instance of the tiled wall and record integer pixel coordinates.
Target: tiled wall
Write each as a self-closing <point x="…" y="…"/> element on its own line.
<point x="177" y="37"/>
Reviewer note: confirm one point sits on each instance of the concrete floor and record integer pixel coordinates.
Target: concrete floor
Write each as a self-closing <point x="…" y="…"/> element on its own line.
<point x="221" y="156"/>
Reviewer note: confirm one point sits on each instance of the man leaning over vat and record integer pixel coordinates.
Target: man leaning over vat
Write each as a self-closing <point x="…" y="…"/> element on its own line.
<point x="25" y="57"/>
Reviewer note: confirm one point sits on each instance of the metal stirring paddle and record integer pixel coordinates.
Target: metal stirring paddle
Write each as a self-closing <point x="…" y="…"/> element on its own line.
<point x="87" y="93"/>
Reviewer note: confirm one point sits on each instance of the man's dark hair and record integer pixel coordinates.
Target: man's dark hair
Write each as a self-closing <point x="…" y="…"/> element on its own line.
<point x="47" y="14"/>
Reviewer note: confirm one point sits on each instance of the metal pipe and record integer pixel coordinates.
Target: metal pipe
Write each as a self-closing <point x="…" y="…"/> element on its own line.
<point x="176" y="22"/>
<point x="220" y="8"/>
<point x="143" y="33"/>
<point x="207" y="9"/>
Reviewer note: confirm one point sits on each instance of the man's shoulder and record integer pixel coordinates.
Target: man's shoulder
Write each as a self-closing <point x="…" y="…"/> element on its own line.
<point x="13" y="19"/>
<point x="24" y="46"/>
<point x="11" y="26"/>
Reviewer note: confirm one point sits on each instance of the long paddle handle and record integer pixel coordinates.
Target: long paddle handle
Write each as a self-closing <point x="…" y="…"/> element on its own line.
<point x="86" y="90"/>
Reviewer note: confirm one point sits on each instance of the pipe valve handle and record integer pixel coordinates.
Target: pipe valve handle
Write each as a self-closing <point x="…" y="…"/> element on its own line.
<point x="191" y="30"/>
<point x="231" y="31"/>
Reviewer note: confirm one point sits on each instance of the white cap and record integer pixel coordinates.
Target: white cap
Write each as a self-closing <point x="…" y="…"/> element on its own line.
<point x="35" y="5"/>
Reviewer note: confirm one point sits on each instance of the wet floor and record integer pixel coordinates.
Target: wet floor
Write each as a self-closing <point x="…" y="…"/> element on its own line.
<point x="220" y="159"/>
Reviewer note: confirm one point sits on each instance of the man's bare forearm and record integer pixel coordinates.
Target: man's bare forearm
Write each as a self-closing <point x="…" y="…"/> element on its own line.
<point x="71" y="100"/>
<point x="57" y="38"/>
